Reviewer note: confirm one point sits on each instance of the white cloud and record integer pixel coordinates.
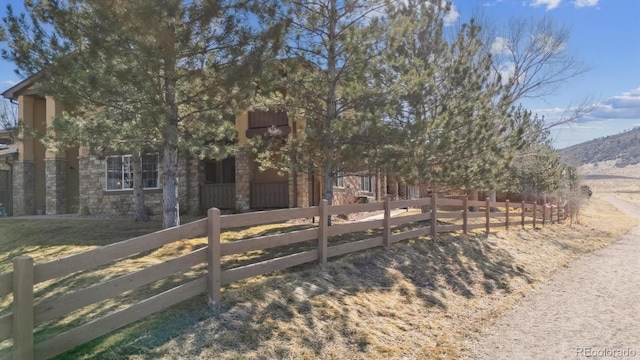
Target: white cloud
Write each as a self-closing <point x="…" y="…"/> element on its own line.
<point x="550" y="4"/>
<point x="492" y="3"/>
<point x="625" y="106"/>
<point x="576" y="126"/>
<point x="547" y="44"/>
<point x="452" y="16"/>
<point x="500" y="46"/>
<point x="616" y="109"/>
<point x="585" y="3"/>
<point x="506" y="71"/>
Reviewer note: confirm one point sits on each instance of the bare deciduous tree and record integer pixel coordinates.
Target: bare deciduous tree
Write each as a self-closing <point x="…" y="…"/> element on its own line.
<point x="8" y="115"/>
<point x="533" y="55"/>
<point x="533" y="58"/>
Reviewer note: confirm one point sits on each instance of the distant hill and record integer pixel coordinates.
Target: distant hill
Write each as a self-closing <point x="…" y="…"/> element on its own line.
<point x="623" y="148"/>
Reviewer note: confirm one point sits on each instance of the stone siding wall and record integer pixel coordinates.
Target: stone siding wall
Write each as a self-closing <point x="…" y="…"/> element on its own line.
<point x="298" y="190"/>
<point x="24" y="197"/>
<point x="56" y="186"/>
<point x="348" y="193"/>
<point x="243" y="182"/>
<point x="189" y="185"/>
<point x="97" y="200"/>
<point x="351" y="192"/>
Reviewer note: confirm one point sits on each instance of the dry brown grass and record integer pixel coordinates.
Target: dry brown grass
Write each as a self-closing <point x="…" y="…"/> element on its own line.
<point x="419" y="299"/>
<point x="607" y="179"/>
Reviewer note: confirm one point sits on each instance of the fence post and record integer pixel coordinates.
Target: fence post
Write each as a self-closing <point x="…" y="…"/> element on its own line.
<point x="487" y="214"/>
<point x="23" y="307"/>
<point x="386" y="236"/>
<point x="506" y="216"/>
<point x="322" y="232"/>
<point x="213" y="256"/>
<point x="434" y="215"/>
<point x="558" y="213"/>
<point x="522" y="216"/>
<point x="535" y="204"/>
<point x="544" y="214"/>
<point x="465" y="215"/>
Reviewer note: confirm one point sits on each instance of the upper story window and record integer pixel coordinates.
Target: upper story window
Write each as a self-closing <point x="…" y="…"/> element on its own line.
<point x="265" y="119"/>
<point x="365" y="184"/>
<point x="120" y="172"/>
<point x="338" y="179"/>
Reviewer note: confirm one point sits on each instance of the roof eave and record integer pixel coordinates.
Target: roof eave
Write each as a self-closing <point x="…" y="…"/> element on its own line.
<point x="12" y="92"/>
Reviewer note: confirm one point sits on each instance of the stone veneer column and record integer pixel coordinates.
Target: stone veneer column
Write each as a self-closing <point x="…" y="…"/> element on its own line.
<point x="301" y="182"/>
<point x="194" y="185"/>
<point x="87" y="194"/>
<point x="56" y="186"/>
<point x="291" y="189"/>
<point x="24" y="188"/>
<point x="243" y="182"/>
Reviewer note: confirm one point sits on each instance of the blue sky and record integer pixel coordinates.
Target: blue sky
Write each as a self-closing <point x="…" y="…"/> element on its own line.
<point x="605" y="34"/>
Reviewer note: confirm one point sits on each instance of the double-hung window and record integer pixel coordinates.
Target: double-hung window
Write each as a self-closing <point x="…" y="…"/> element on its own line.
<point x="365" y="183"/>
<point x="120" y="172"/>
<point x="338" y="179"/>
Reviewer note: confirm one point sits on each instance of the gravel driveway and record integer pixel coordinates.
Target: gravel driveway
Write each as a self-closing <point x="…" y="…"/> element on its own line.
<point x="589" y="310"/>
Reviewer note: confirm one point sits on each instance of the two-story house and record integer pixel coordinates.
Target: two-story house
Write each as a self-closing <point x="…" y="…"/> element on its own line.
<point x="48" y="182"/>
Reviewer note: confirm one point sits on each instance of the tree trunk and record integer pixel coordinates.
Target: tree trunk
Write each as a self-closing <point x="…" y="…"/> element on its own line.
<point x="492" y="198"/>
<point x="139" y="208"/>
<point x="474" y="197"/>
<point x="170" y="204"/>
<point x="332" y="106"/>
<point x="327" y="188"/>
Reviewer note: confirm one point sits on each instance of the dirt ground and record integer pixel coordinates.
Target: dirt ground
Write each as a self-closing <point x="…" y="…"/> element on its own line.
<point x="590" y="309"/>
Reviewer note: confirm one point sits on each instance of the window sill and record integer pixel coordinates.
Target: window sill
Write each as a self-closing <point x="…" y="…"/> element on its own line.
<point x="130" y="191"/>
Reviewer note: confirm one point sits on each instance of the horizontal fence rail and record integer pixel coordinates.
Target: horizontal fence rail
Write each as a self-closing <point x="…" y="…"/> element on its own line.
<point x="319" y="243"/>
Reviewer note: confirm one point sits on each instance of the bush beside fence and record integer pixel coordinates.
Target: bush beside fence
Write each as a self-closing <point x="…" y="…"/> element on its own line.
<point x="27" y="314"/>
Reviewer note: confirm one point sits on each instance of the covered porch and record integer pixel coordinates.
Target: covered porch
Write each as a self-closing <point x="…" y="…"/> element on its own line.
<point x="43" y="181"/>
<point x="257" y="189"/>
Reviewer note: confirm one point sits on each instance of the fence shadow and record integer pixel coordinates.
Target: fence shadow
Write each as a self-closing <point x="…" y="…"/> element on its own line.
<point x="256" y="311"/>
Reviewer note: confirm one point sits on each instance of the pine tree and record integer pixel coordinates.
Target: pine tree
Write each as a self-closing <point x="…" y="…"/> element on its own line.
<point x="173" y="70"/>
<point x="458" y="129"/>
<point x="328" y="54"/>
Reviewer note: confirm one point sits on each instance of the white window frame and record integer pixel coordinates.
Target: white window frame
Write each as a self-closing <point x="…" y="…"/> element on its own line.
<point x="364" y="180"/>
<point x="338" y="179"/>
<point x="126" y="176"/>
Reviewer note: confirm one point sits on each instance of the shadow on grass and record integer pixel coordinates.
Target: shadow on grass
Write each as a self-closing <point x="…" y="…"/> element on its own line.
<point x="255" y="311"/>
<point x="18" y="237"/>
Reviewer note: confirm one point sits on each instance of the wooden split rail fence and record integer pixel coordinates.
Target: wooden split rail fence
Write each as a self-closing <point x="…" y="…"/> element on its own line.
<point x="27" y="314"/>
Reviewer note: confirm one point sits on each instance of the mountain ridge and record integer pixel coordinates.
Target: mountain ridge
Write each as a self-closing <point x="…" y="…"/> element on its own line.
<point x="623" y="148"/>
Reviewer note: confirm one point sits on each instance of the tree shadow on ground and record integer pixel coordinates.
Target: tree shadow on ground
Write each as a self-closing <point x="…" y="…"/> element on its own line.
<point x="261" y="309"/>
